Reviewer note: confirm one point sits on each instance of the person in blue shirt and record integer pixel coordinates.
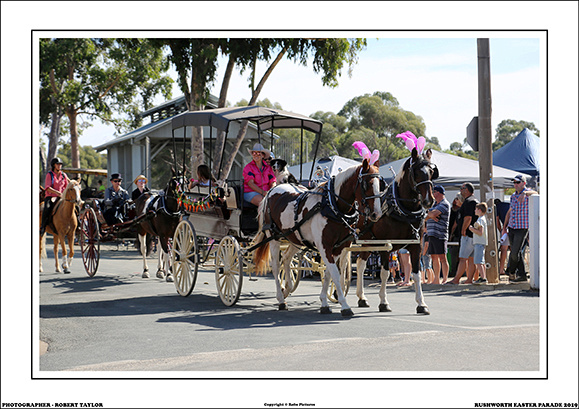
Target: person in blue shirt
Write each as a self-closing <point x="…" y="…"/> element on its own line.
<point x="437" y="231"/>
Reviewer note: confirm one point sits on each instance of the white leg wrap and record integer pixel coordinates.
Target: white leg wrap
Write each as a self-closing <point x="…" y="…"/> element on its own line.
<point x="418" y="289"/>
<point x="384" y="275"/>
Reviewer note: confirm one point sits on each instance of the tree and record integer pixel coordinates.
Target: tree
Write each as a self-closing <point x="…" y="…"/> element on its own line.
<point x="508" y="129"/>
<point x="109" y="79"/>
<point x="381" y="114"/>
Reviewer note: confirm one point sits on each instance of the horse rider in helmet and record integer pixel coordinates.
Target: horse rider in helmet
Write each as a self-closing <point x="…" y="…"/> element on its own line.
<point x="54" y="184"/>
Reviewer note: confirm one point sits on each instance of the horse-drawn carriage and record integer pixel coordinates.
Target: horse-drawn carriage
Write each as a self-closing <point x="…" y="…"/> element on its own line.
<point x="352" y="211"/>
<point x="223" y="233"/>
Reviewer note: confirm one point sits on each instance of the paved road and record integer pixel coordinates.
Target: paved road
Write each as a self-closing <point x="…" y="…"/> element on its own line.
<point x="117" y="321"/>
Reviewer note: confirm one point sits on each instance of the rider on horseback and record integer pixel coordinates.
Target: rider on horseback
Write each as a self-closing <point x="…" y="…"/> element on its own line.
<point x="55" y="183"/>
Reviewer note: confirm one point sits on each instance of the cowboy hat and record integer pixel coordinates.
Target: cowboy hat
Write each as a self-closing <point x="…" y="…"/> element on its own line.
<point x="116" y="176"/>
<point x="258" y="147"/>
<point x="140" y="177"/>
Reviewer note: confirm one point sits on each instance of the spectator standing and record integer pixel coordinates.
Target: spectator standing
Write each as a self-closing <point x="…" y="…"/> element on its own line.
<point x="517" y="226"/>
<point x="454" y="233"/>
<point x="466" y="251"/>
<point x="405" y="267"/>
<point x="480" y="241"/>
<point x="425" y="259"/>
<point x="501" y="213"/>
<point x="437" y="229"/>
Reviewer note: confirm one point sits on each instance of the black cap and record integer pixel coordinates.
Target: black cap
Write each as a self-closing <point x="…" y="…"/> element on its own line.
<point x="116" y="176"/>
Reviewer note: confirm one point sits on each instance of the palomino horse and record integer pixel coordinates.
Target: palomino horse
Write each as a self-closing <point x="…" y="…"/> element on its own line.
<point x="320" y="218"/>
<point x="161" y="217"/>
<point x="404" y="208"/>
<point x="64" y="221"/>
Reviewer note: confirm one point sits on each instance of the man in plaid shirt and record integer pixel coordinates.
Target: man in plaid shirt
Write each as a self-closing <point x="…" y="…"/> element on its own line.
<point x="517" y="221"/>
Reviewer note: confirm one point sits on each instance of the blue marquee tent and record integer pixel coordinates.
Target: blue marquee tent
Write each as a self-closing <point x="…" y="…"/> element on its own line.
<point x="522" y="154"/>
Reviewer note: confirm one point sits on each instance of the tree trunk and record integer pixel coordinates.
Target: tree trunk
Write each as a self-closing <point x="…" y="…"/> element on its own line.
<point x="43" y="164"/>
<point x="74" y="146"/>
<point x="53" y="135"/>
<point x="243" y="129"/>
<point x="220" y="140"/>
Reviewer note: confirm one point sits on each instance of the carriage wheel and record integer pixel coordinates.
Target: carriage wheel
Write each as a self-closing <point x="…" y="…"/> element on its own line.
<point x="184" y="258"/>
<point x="295" y="272"/>
<point x="89" y="241"/>
<point x="229" y="270"/>
<point x="345" y="281"/>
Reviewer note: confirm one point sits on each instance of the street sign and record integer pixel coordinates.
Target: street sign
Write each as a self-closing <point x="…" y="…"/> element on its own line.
<point x="472" y="134"/>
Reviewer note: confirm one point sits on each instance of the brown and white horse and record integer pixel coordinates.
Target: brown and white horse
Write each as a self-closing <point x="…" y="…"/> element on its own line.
<point x="161" y="215"/>
<point x="322" y="218"/>
<point x="64" y="221"/>
<point x="404" y="207"/>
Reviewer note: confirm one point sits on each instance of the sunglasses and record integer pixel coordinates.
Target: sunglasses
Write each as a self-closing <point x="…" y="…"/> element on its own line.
<point x="516" y="182"/>
<point x="142" y="180"/>
<point x="117" y="180"/>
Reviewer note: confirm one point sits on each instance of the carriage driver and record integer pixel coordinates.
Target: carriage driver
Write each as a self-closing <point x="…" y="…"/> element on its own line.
<point x="115" y="198"/>
<point x="54" y="184"/>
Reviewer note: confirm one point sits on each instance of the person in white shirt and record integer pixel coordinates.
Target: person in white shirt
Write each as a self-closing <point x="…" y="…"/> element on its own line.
<point x="480" y="241"/>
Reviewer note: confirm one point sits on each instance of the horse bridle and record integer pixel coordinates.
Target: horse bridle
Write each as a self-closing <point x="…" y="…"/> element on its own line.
<point x="429" y="181"/>
<point x="363" y="181"/>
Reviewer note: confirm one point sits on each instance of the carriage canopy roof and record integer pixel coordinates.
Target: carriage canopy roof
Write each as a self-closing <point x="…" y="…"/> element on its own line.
<point x="266" y="118"/>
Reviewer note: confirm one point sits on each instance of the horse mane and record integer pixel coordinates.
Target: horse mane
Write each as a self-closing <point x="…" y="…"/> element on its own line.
<point x="70" y="185"/>
<point x="343" y="176"/>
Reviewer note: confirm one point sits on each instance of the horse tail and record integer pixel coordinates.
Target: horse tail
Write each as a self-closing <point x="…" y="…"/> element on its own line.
<point x="261" y="256"/>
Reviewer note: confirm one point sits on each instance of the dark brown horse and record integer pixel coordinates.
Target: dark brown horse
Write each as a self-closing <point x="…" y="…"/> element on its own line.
<point x="321" y="218"/>
<point x="161" y="215"/>
<point x="404" y="208"/>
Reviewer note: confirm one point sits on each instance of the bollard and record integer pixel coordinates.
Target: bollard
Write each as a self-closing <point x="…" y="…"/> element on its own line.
<point x="534" y="239"/>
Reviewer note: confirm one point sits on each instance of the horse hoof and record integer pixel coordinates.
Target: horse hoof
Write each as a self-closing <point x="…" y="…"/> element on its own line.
<point x="347" y="312"/>
<point x="145" y="274"/>
<point x="363" y="304"/>
<point x="325" y="310"/>
<point x="169" y="278"/>
<point x="160" y="274"/>
<point x="384" y="308"/>
<point x="422" y="310"/>
<point x="282" y="307"/>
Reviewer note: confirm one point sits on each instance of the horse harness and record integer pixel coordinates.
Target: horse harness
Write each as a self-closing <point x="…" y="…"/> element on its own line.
<point x="328" y="206"/>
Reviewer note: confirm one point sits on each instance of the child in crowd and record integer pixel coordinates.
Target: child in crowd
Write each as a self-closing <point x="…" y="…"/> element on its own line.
<point x="479" y="230"/>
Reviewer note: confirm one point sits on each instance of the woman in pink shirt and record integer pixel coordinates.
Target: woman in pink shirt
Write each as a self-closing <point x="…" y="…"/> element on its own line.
<point x="258" y="177"/>
<point x="54" y="184"/>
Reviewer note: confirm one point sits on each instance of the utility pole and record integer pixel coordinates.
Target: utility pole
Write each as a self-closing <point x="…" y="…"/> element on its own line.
<point x="486" y="156"/>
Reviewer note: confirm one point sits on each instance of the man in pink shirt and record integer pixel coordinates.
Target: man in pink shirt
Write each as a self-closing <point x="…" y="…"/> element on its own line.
<point x="258" y="177"/>
<point x="54" y="184"/>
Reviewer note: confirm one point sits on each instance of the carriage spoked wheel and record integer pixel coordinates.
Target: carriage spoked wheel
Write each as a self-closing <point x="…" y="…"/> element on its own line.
<point x="229" y="270"/>
<point x="89" y="241"/>
<point x="184" y="258"/>
<point x="344" y="281"/>
<point x="295" y="272"/>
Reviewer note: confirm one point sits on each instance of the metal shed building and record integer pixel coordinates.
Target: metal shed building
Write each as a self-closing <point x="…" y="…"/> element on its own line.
<point x="145" y="150"/>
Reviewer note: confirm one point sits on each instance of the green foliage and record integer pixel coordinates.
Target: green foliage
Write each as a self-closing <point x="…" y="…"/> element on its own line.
<point x="108" y="79"/>
<point x="380" y="114"/>
<point x="89" y="159"/>
<point x="508" y="129"/>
